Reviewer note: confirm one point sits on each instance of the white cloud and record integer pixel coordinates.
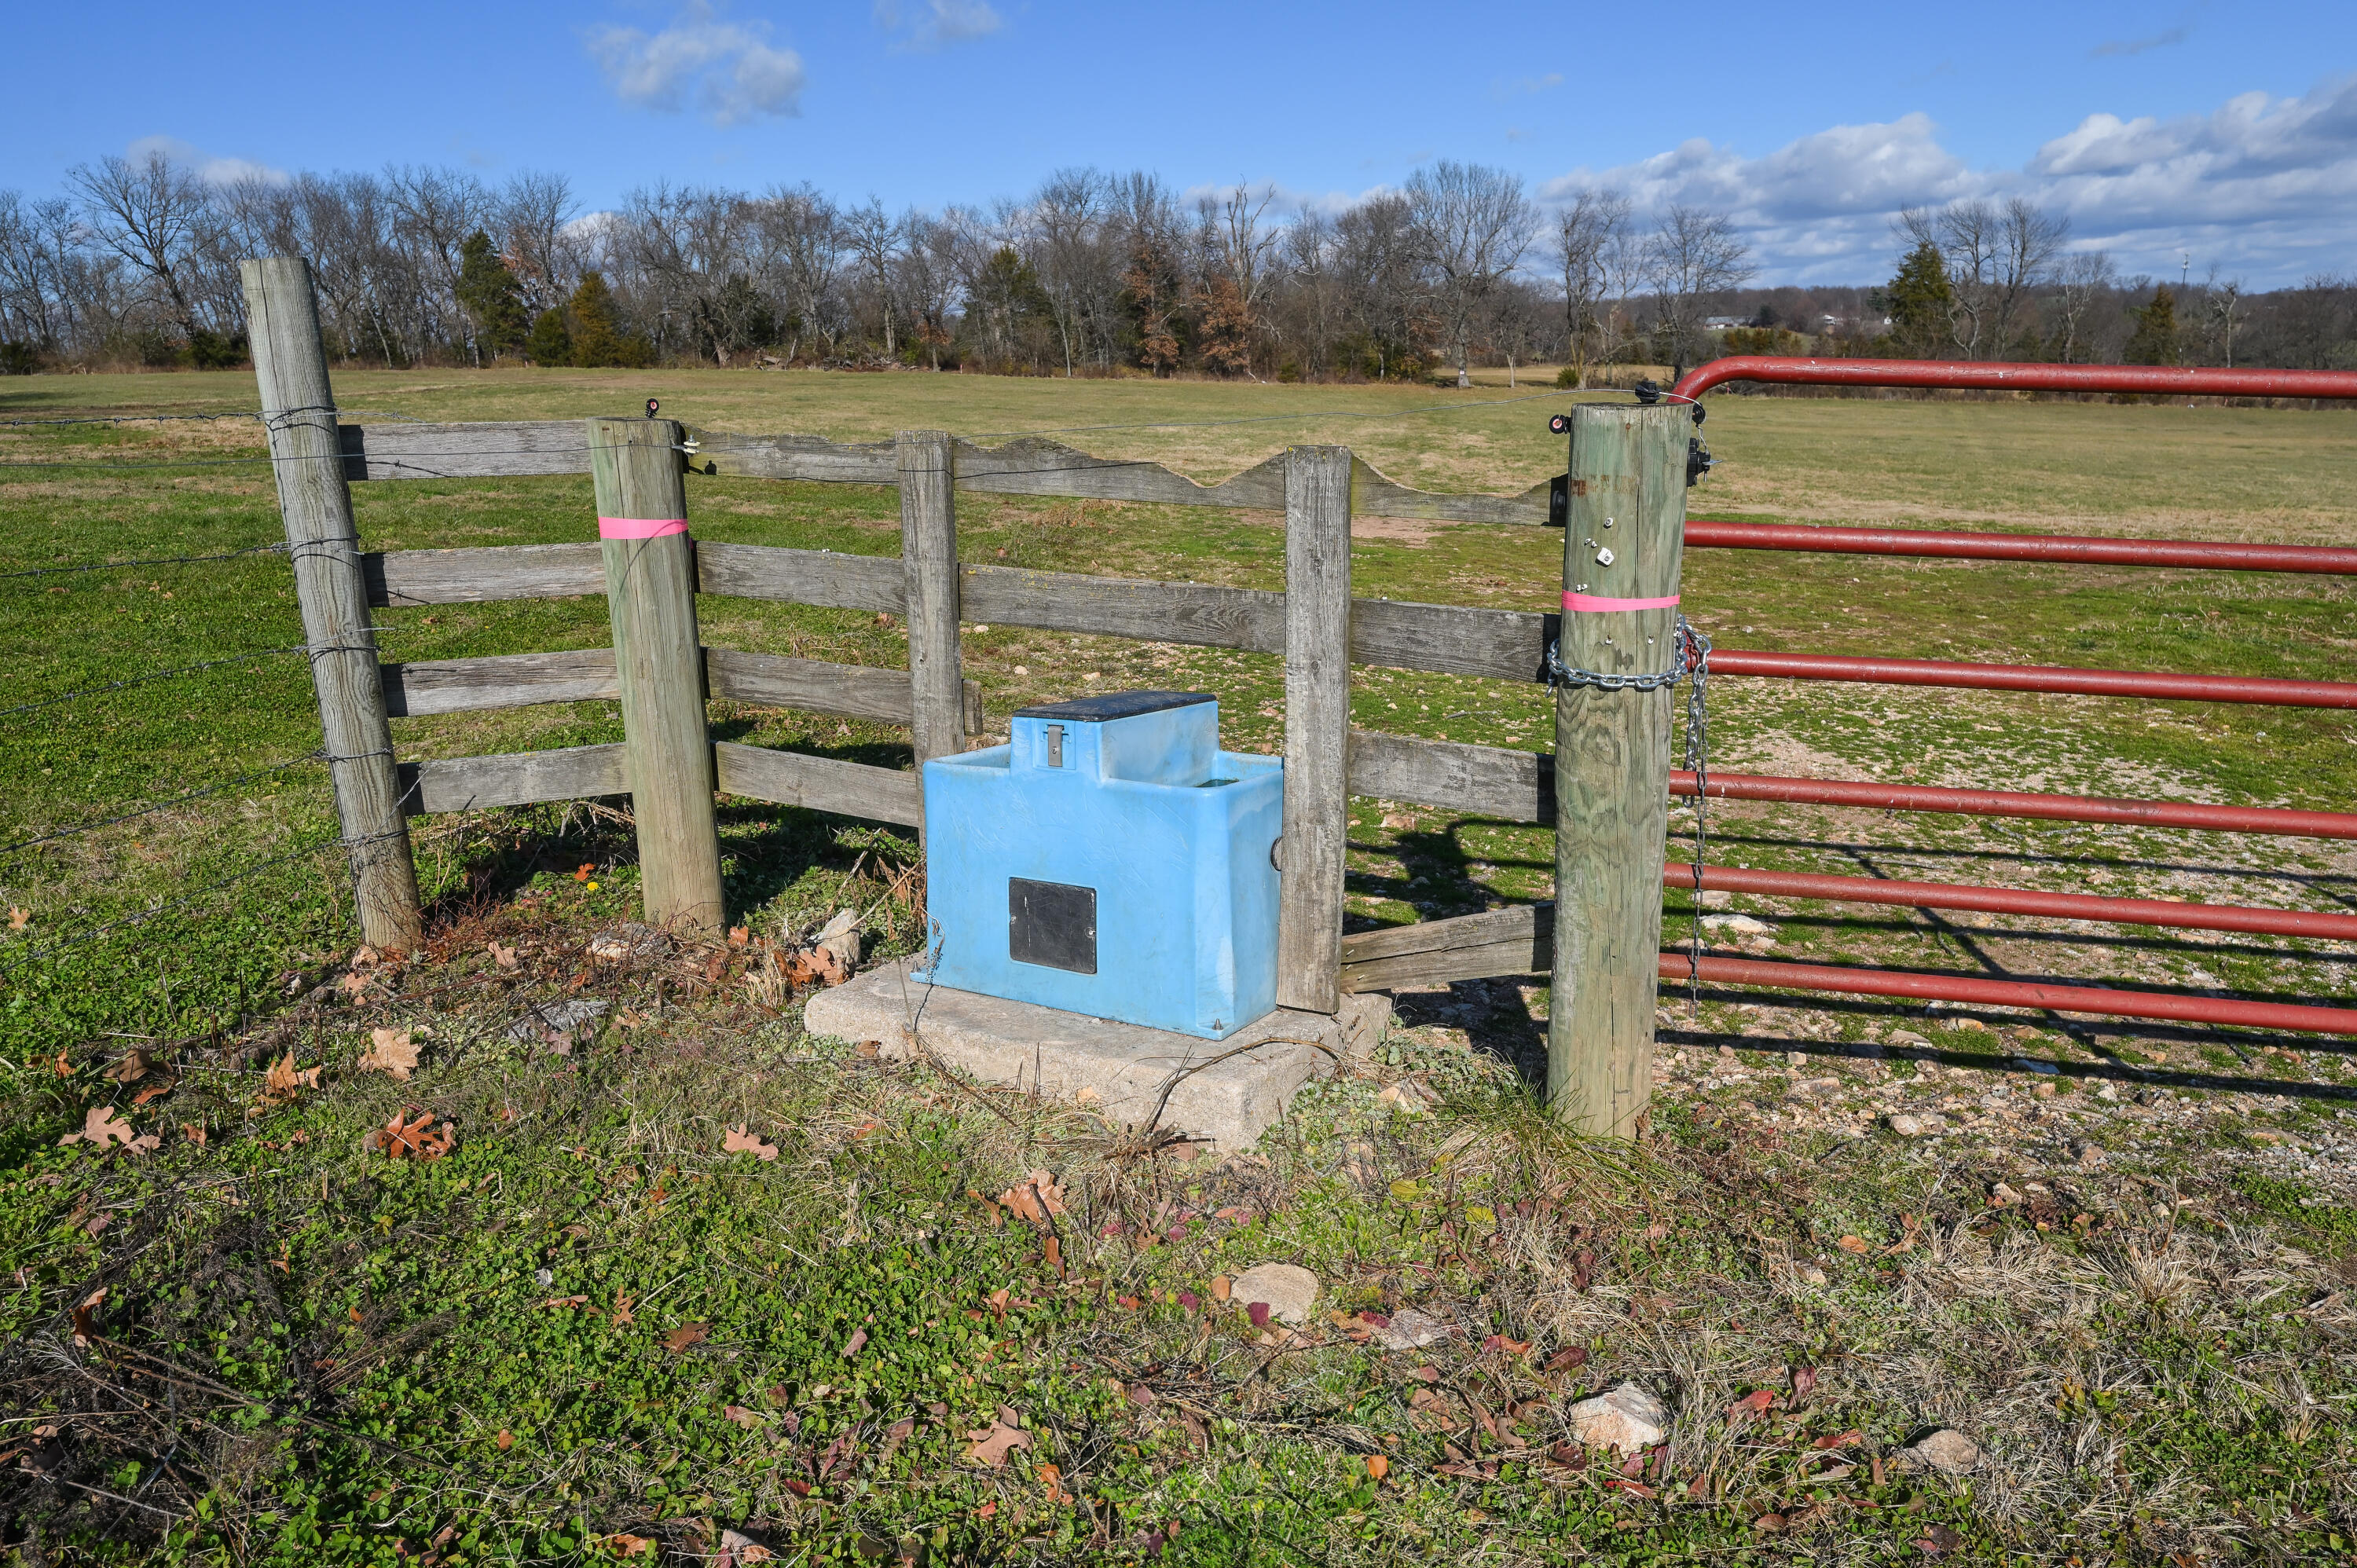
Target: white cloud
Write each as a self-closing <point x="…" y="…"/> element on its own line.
<point x="933" y="24"/>
<point x="205" y="165"/>
<point x="2264" y="185"/>
<point x="731" y="68"/>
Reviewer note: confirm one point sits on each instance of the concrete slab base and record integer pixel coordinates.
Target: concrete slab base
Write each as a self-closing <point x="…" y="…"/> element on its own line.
<point x="1117" y="1069"/>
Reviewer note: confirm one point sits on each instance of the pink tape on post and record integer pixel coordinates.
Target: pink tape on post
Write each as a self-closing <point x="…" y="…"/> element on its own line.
<point x="1592" y="602"/>
<point x="640" y="527"/>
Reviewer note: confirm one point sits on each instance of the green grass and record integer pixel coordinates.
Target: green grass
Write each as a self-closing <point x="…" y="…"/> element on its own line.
<point x="242" y="1259"/>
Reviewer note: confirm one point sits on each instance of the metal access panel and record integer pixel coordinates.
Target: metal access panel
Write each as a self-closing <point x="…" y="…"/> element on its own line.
<point x="1109" y="859"/>
<point x="1051" y="923"/>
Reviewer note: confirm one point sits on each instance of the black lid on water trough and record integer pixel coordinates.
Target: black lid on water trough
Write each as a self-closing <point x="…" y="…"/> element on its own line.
<point x="1114" y="706"/>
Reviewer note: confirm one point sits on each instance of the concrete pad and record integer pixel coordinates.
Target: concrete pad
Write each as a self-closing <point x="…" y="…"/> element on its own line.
<point x="1115" y="1070"/>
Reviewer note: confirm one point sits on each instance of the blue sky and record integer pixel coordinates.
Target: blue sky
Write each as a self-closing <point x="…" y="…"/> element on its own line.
<point x="2226" y="130"/>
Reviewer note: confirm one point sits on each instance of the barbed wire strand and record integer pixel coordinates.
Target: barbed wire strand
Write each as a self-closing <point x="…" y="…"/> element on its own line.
<point x="278" y="549"/>
<point x="316" y="756"/>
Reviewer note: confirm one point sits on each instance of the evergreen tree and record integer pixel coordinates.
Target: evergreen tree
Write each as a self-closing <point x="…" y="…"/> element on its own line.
<point x="2158" y="339"/>
<point x="1919" y="301"/>
<point x="493" y="294"/>
<point x="551" y="342"/>
<point x="598" y="341"/>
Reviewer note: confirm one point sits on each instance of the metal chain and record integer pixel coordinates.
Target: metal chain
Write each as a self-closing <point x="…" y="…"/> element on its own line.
<point x="1689" y="663"/>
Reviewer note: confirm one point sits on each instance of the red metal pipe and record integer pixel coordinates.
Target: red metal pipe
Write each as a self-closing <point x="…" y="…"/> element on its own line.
<point x="2038" y="678"/>
<point x="1703" y="532"/>
<point x="2024" y="806"/>
<point x="2019" y="901"/>
<point x="2016" y="993"/>
<point x="2164" y="380"/>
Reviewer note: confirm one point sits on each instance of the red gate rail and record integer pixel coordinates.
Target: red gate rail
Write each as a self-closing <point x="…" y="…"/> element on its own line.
<point x="2016" y="993"/>
<point x="2023" y="805"/>
<point x="2157" y="381"/>
<point x="1703" y="532"/>
<point x="2162" y="685"/>
<point x="2018" y="901"/>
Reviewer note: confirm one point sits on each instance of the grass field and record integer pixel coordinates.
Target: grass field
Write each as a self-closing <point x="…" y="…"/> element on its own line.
<point x="355" y="1355"/>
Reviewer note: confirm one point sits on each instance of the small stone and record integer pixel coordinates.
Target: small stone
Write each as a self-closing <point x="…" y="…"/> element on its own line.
<point x="840" y="938"/>
<point x="1916" y="1125"/>
<point x="1288" y="1289"/>
<point x="1717" y="898"/>
<point x="1796" y="1058"/>
<point x="1628" y="1420"/>
<point x="2003" y="1197"/>
<point x="558" y="1022"/>
<point x="630" y="939"/>
<point x="1741" y="925"/>
<point x="1411" y="1329"/>
<point x="1813" y="1276"/>
<point x="1947" y="1451"/>
<point x="1907" y="1037"/>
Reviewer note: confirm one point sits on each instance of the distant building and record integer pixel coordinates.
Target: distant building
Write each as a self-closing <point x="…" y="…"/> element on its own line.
<point x="1725" y="323"/>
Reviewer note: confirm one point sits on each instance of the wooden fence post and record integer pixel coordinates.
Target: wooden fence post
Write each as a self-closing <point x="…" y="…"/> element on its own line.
<point x="1317" y="728"/>
<point x="651" y="595"/>
<point x="299" y="411"/>
<point x="1624" y="538"/>
<point x="927" y="463"/>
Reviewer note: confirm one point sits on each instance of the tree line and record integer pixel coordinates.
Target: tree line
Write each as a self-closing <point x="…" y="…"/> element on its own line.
<point x="1094" y="274"/>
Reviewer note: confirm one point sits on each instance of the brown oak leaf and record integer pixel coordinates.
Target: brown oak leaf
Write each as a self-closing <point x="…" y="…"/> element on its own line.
<point x="1035" y="1198"/>
<point x="686" y="1335"/>
<point x="99" y="1127"/>
<point x="989" y="1444"/>
<point x="741" y="1142"/>
<point x="503" y="957"/>
<point x="391" y="1050"/>
<point x="748" y="1419"/>
<point x="401" y="1139"/>
<point x="19" y="917"/>
<point x="857" y="1343"/>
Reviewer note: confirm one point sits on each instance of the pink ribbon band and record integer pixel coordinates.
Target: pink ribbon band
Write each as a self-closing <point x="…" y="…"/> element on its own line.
<point x="640" y="527"/>
<point x="1591" y="602"/>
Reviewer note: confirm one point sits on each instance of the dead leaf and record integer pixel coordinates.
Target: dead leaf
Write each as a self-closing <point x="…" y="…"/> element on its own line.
<point x="155" y="1091"/>
<point x="354" y="983"/>
<point x="506" y="1440"/>
<point x="1222" y="1287"/>
<point x="1805" y="1382"/>
<point x="1052" y="1250"/>
<point x="1752" y="1406"/>
<point x="391" y="1050"/>
<point x="740" y="1142"/>
<point x="98" y="1222"/>
<point x="857" y="1343"/>
<point x="193" y="1132"/>
<point x="99" y="1126"/>
<point x="1053" y="1476"/>
<point x="132" y="1067"/>
<point x="626" y="1545"/>
<point x="1938" y="1539"/>
<point x="990" y="1443"/>
<point x="1035" y="1198"/>
<point x="503" y="957"/>
<point x="622" y="1312"/>
<point x="748" y="1419"/>
<point x="1838" y="1440"/>
<point x="1853" y="1245"/>
<point x="85" y="1328"/>
<point x="403" y="1140"/>
<point x="737" y="1550"/>
<point x="1378" y="1466"/>
<point x="1567" y="1358"/>
<point x="738" y="936"/>
<point x="686" y="1335"/>
<point x="65" y="1068"/>
<point x="19" y="917"/>
<point x="282" y="1080"/>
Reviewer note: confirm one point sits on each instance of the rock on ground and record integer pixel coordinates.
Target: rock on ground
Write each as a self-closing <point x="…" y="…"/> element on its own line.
<point x="1625" y="1419"/>
<point x="1947" y="1451"/>
<point x="1911" y="1125"/>
<point x="1288" y="1288"/>
<point x="1411" y="1329"/>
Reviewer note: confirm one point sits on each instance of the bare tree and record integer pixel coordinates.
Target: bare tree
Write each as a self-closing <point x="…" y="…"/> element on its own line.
<point x="533" y="214"/>
<point x="1065" y="222"/>
<point x="148" y="214"/>
<point x="1590" y="237"/>
<point x="1472" y="224"/>
<point x="1996" y="254"/>
<point x="1691" y="257"/>
<point x="2084" y="277"/>
<point x="2222" y="314"/>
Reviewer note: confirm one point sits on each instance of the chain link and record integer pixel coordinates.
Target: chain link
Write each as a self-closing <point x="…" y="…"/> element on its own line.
<point x="1690" y="663"/>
